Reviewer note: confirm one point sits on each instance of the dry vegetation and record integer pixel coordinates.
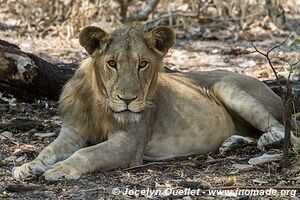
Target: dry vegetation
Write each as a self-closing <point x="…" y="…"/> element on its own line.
<point x="208" y="39"/>
<point x="65" y="17"/>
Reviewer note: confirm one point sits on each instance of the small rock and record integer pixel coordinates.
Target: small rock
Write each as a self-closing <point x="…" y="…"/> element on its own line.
<point x="164" y="193"/>
<point x="259" y="181"/>
<point x="10" y="158"/>
<point x="214" y="51"/>
<point x="265" y="158"/>
<point x="13" y="102"/>
<point x="6" y="135"/>
<point x="247" y="64"/>
<point x="243" y="167"/>
<point x="187" y="198"/>
<point x="44" y="135"/>
<point x="32" y="131"/>
<point x="26" y="44"/>
<point x="20" y="159"/>
<point x="205" y="185"/>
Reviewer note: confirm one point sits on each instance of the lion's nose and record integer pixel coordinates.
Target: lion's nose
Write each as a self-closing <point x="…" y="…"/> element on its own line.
<point x="127" y="100"/>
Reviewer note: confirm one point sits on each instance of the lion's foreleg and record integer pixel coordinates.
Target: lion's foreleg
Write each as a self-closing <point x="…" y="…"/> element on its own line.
<point x="61" y="148"/>
<point x="117" y="152"/>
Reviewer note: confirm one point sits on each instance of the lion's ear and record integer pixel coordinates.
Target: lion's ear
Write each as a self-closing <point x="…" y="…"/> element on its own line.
<point x="161" y="39"/>
<point x="91" y="38"/>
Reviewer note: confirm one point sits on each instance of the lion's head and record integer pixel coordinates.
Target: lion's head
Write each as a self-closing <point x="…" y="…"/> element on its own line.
<point x="126" y="62"/>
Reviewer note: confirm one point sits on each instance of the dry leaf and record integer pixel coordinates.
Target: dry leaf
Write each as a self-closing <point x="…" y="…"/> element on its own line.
<point x="265" y="158"/>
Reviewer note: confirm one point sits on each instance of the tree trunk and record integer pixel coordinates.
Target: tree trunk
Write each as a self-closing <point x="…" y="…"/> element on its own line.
<point x="29" y="77"/>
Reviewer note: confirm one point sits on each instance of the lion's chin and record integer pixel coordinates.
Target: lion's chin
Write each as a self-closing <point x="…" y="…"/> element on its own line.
<point x="127" y="116"/>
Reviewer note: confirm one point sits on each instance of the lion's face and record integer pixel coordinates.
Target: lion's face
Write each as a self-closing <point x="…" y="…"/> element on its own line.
<point x="126" y="63"/>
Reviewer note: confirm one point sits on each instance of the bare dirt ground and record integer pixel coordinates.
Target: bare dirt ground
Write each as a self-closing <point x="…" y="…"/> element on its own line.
<point x="35" y="125"/>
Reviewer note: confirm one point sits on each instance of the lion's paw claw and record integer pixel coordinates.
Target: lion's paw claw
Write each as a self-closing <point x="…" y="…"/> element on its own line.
<point x="29" y="170"/>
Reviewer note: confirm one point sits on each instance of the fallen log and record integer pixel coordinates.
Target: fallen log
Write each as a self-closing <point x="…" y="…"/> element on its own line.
<point x="28" y="77"/>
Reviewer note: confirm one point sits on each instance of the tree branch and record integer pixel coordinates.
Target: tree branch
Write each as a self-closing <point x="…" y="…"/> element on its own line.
<point x="266" y="55"/>
<point x="143" y="14"/>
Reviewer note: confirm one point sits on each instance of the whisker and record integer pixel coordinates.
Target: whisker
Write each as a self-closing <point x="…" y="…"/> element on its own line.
<point x="150" y="104"/>
<point x="103" y="102"/>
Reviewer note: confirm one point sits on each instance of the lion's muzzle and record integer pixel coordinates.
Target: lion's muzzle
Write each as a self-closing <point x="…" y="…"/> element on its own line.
<point x="127" y="109"/>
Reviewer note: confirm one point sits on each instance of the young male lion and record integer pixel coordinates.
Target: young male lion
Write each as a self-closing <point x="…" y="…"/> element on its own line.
<point x="127" y="109"/>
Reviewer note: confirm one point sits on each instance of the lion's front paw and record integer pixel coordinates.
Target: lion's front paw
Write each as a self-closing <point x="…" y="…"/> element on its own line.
<point x="29" y="170"/>
<point x="234" y="142"/>
<point x="62" y="170"/>
<point x="272" y="139"/>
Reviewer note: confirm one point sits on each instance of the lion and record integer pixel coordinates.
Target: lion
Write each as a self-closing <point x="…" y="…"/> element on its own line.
<point x="121" y="108"/>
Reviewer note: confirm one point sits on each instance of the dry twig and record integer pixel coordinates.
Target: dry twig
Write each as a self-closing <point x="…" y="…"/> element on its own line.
<point x="144" y="165"/>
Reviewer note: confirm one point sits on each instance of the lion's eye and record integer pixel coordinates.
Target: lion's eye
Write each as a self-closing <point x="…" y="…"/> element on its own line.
<point x="143" y="64"/>
<point x="112" y="63"/>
